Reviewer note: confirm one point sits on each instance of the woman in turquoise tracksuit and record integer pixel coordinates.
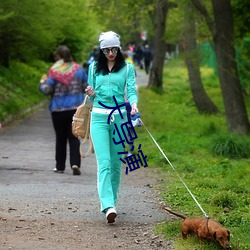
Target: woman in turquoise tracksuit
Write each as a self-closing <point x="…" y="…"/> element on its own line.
<point x="108" y="78"/>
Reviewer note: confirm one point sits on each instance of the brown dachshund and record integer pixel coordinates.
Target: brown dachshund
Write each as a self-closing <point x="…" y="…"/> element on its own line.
<point x="204" y="229"/>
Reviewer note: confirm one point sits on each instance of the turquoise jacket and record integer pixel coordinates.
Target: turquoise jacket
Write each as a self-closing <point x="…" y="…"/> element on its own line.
<point x="113" y="84"/>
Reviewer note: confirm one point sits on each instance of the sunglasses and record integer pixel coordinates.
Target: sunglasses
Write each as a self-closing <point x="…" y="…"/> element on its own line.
<point x="106" y="51"/>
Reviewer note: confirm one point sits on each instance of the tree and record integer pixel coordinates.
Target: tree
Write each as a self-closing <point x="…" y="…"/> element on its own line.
<point x="28" y="33"/>
<point x="127" y="17"/>
<point x="201" y="99"/>
<point x="223" y="38"/>
<point x="159" y="46"/>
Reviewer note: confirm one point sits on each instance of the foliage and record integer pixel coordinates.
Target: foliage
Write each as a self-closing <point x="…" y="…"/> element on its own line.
<point x="230" y="146"/>
<point x="128" y="18"/>
<point x="242" y="37"/>
<point x="243" y="60"/>
<point x="220" y="184"/>
<point x="241" y="17"/>
<point x="27" y="33"/>
<point x="19" y="88"/>
<point x="175" y="25"/>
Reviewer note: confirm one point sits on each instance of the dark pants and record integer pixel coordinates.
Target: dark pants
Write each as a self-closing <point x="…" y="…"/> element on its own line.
<point x="62" y="122"/>
<point x="147" y="65"/>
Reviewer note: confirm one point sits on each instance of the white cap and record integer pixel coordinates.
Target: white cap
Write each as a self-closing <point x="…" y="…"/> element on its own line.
<point x="109" y="39"/>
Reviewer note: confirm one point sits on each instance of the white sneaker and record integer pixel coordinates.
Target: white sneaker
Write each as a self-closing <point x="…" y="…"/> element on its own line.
<point x="58" y="171"/>
<point x="111" y="214"/>
<point x="129" y="153"/>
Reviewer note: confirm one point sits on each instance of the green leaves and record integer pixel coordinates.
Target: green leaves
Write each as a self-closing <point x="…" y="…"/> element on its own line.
<point x="28" y="33"/>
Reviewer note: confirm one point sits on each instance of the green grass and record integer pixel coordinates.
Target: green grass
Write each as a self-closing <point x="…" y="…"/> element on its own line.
<point x="19" y="88"/>
<point x="214" y="164"/>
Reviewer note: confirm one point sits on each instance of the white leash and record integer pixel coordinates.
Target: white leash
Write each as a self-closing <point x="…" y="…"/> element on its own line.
<point x="174" y="170"/>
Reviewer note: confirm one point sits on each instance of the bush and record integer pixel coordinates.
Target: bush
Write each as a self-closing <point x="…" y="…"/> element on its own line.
<point x="19" y="88"/>
<point x="223" y="200"/>
<point x="231" y="146"/>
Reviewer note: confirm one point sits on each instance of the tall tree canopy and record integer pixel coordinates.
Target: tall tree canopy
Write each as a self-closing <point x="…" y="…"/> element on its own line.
<point x="27" y="32"/>
<point x="126" y="17"/>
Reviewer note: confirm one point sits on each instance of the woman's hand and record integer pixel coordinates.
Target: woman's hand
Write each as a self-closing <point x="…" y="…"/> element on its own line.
<point x="90" y="91"/>
<point x="134" y="109"/>
<point x="43" y="79"/>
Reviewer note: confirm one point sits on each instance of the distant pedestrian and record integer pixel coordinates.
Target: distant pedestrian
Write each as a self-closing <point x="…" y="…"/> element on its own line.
<point x="93" y="55"/>
<point x="138" y="56"/>
<point x="147" y="54"/>
<point x="65" y="84"/>
<point x="107" y="79"/>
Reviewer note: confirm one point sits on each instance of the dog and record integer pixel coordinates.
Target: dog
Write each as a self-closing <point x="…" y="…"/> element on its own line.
<point x="204" y="229"/>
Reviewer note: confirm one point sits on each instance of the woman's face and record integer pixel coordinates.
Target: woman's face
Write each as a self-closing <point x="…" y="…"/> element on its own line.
<point x="110" y="53"/>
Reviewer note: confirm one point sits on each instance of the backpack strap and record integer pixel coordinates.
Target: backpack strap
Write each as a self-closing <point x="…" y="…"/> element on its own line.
<point x="84" y="140"/>
<point x="87" y="137"/>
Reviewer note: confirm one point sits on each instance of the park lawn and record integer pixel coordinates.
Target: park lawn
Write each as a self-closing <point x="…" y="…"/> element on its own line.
<point x="190" y="141"/>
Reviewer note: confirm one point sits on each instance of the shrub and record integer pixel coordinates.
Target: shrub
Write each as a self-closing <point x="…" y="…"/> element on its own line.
<point x="223" y="200"/>
<point x="231" y="146"/>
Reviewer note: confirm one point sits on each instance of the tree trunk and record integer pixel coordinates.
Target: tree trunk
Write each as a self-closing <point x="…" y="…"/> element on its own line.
<point x="235" y="109"/>
<point x="201" y="99"/>
<point x="223" y="38"/>
<point x="159" y="47"/>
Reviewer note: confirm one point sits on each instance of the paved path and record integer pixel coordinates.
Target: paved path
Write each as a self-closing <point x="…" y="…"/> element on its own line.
<point x="141" y="78"/>
<point x="29" y="189"/>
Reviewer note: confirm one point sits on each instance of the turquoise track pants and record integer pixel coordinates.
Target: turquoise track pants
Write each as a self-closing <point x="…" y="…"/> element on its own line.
<point x="108" y="160"/>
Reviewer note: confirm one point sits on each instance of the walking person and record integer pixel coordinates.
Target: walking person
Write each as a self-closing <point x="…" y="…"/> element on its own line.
<point x="147" y="54"/>
<point x="65" y="84"/>
<point x="108" y="77"/>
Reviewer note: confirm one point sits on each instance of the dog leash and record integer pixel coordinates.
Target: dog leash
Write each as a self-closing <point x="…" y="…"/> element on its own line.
<point x="174" y="170"/>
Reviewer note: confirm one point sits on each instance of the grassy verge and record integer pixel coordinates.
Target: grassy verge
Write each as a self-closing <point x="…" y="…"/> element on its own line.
<point x="214" y="164"/>
<point x="19" y="88"/>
